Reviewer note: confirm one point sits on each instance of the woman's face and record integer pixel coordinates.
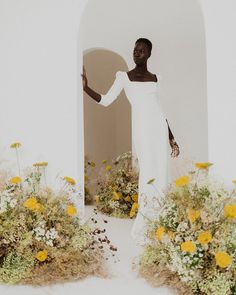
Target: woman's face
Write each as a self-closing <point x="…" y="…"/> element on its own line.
<point x="140" y="53"/>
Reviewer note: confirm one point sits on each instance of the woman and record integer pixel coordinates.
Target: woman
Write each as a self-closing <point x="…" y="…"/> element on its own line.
<point x="149" y="130"/>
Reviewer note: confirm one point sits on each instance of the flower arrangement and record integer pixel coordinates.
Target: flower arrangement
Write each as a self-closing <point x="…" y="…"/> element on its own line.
<point x="117" y="187"/>
<point x="90" y="173"/>
<point x="192" y="243"/>
<point x="42" y="240"/>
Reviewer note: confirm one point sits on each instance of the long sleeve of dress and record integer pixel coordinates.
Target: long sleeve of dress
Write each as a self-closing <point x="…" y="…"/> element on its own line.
<point x="113" y="92"/>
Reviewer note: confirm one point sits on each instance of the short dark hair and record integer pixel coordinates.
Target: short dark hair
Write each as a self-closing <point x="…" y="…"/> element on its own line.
<point x="147" y="42"/>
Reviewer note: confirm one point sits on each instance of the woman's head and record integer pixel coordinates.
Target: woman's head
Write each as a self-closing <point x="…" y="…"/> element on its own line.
<point x="142" y="50"/>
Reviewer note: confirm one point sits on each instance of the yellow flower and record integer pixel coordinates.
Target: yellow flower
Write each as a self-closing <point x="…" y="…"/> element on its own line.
<point x="32" y="204"/>
<point x="230" y="211"/>
<point x="93" y="164"/>
<point x="15" y="180"/>
<point x="160" y="232"/>
<point x="71" y="210"/>
<point x="205" y="237"/>
<point x="188" y="246"/>
<point x="108" y="167"/>
<point x="182" y="181"/>
<point x="222" y="259"/>
<point x="193" y="215"/>
<point x="97" y="199"/>
<point x="69" y="180"/>
<point x="40" y="164"/>
<point x="133" y="210"/>
<point x="203" y="165"/>
<point x="42" y="255"/>
<point x="86" y="178"/>
<point x="104" y="161"/>
<point x="117" y="196"/>
<point x="135" y="198"/>
<point x="127" y="199"/>
<point x="15" y="145"/>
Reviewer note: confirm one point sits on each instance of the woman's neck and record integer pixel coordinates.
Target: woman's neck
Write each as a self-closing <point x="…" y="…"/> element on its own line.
<point x="141" y="68"/>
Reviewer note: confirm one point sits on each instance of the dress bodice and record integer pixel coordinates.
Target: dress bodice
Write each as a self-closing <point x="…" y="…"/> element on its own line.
<point x="139" y="93"/>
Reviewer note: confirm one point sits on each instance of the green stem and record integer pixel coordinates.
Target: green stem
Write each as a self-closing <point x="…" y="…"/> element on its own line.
<point x="18" y="162"/>
<point x="44" y="174"/>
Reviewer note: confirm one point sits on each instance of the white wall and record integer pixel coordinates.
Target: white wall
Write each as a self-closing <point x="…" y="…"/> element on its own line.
<point x="39" y="84"/>
<point x="220" y="23"/>
<point x="179" y="56"/>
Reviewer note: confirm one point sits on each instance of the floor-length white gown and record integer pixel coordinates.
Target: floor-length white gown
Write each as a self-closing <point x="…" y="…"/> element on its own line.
<point x="150" y="137"/>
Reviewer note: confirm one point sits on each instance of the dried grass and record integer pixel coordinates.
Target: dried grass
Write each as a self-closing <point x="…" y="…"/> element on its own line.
<point x="158" y="276"/>
<point x="67" y="267"/>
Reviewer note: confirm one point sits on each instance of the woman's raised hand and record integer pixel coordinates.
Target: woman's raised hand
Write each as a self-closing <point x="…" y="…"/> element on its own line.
<point x="175" y="148"/>
<point x="84" y="77"/>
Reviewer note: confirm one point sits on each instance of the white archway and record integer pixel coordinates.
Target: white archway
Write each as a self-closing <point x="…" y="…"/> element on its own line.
<point x="179" y="56"/>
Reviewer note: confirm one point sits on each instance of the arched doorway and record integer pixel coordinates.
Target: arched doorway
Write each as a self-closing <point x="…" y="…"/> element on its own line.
<point x="107" y="131"/>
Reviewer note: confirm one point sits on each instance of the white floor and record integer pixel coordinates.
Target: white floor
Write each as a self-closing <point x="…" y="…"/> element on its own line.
<point x="123" y="281"/>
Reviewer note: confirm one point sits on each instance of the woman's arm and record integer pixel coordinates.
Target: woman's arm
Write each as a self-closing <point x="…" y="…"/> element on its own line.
<point x="112" y="93"/>
<point x="96" y="96"/>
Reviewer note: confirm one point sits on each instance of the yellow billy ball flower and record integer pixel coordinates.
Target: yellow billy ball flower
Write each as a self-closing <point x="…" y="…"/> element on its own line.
<point x="182" y="181"/>
<point x="203" y="165"/>
<point x="69" y="180"/>
<point x="71" y="210"/>
<point x="37" y="164"/>
<point x="42" y="255"/>
<point x="230" y="211"/>
<point x="108" y="167"/>
<point x="135" y="198"/>
<point x="117" y="196"/>
<point x="104" y="161"/>
<point x="128" y="199"/>
<point x="188" y="246"/>
<point x="133" y="210"/>
<point x="97" y="199"/>
<point x="160" y="232"/>
<point x="15" y="145"/>
<point x="15" y="180"/>
<point x="32" y="204"/>
<point x="193" y="215"/>
<point x="205" y="237"/>
<point x="222" y="259"/>
<point x="40" y="164"/>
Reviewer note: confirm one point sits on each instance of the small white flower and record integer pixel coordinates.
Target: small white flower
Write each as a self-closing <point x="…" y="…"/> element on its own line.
<point x="48" y="235"/>
<point x="49" y="243"/>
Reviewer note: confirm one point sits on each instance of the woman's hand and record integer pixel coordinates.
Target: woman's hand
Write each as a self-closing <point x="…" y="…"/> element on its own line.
<point x="85" y="80"/>
<point x="175" y="148"/>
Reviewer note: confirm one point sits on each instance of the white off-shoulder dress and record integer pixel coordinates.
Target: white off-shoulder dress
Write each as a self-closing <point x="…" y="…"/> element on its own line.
<point x="150" y="137"/>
